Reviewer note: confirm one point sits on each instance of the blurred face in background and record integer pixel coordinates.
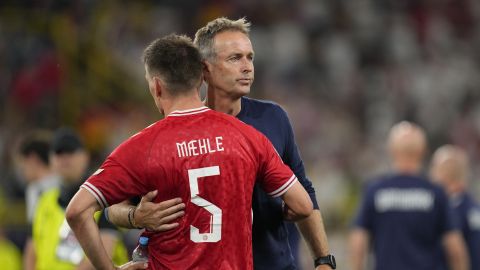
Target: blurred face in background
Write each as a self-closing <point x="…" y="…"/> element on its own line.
<point x="70" y="166"/>
<point x="449" y="168"/>
<point x="440" y="174"/>
<point x="231" y="70"/>
<point x="29" y="166"/>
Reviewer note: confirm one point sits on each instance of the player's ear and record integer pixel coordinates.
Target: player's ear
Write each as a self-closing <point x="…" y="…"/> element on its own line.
<point x="158" y="87"/>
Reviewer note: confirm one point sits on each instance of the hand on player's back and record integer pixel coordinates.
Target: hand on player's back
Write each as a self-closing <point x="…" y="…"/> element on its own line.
<point x="157" y="216"/>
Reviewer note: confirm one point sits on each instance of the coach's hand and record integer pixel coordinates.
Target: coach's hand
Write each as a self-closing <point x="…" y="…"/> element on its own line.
<point x="133" y="266"/>
<point x="157" y="216"/>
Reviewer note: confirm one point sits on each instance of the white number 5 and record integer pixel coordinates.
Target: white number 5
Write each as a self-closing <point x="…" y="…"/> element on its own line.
<point x="215" y="233"/>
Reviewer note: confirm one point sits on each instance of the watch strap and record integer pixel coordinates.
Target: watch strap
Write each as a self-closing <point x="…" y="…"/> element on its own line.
<point x="329" y="259"/>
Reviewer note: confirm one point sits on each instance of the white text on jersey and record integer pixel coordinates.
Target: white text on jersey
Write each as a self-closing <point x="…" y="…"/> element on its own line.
<point x="408" y="199"/>
<point x="199" y="147"/>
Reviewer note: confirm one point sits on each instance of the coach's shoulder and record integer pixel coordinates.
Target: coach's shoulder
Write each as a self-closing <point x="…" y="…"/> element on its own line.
<point x="266" y="107"/>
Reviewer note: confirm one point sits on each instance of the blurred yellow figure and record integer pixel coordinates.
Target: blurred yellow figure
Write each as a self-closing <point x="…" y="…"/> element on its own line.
<point x="10" y="257"/>
<point x="55" y="245"/>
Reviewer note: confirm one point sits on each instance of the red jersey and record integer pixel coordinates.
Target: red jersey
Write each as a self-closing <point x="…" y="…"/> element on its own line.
<point x="209" y="159"/>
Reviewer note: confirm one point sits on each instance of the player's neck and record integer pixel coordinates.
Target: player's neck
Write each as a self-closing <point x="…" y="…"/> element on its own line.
<point x="182" y="103"/>
<point x="224" y="103"/>
<point x="406" y="166"/>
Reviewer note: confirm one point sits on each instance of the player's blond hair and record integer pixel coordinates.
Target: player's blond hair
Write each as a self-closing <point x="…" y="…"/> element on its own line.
<point x="205" y="35"/>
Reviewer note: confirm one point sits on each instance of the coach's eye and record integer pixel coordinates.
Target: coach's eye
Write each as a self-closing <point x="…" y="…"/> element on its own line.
<point x="234" y="58"/>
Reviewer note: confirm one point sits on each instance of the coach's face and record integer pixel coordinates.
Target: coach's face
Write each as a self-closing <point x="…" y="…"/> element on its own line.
<point x="231" y="71"/>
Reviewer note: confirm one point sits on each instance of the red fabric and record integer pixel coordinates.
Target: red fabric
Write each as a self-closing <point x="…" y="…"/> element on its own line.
<point x="151" y="160"/>
<point x="35" y="81"/>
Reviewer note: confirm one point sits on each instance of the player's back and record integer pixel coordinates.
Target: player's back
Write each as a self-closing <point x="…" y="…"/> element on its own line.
<point x="210" y="160"/>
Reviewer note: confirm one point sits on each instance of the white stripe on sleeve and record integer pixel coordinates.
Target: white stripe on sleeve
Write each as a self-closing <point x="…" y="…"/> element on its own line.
<point x="284" y="187"/>
<point x="96" y="193"/>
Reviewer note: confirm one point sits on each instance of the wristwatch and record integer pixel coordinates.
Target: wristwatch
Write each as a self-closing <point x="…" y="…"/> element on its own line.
<point x="329" y="259"/>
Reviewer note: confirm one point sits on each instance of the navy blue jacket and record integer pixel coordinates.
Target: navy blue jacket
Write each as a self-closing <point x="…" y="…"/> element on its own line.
<point x="271" y="249"/>
<point x="406" y="217"/>
<point x="467" y="211"/>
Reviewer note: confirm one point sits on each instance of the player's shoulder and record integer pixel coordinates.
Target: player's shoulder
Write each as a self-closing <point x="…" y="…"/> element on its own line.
<point x="469" y="202"/>
<point x="139" y="141"/>
<point x="380" y="181"/>
<point x="146" y="133"/>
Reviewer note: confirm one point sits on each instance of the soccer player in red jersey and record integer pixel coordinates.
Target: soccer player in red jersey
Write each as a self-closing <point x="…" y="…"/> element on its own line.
<point x="209" y="159"/>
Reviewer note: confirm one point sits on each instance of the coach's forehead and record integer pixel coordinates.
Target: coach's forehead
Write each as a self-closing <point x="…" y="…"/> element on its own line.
<point x="232" y="41"/>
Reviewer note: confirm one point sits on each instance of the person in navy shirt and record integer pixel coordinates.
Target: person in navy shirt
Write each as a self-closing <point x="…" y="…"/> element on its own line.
<point x="269" y="230"/>
<point x="406" y="217"/>
<point x="229" y="73"/>
<point x="450" y="168"/>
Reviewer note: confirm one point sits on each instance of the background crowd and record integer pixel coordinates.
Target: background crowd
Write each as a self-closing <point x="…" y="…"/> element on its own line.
<point x="345" y="71"/>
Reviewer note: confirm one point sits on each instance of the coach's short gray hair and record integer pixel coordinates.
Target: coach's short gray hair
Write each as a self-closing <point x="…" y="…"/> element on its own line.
<point x="205" y="35"/>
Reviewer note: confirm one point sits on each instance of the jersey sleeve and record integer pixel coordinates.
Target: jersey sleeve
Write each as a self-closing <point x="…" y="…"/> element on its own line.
<point x="292" y="158"/>
<point x="121" y="176"/>
<point x="364" y="218"/>
<point x="275" y="177"/>
<point x="449" y="220"/>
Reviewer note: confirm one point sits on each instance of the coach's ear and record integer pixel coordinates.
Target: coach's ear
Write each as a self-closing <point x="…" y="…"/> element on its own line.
<point x="206" y="69"/>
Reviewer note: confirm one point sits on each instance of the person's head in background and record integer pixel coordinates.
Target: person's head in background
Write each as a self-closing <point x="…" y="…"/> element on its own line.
<point x="227" y="54"/>
<point x="450" y="168"/>
<point x="407" y="146"/>
<point x="34" y="153"/>
<point x="69" y="159"/>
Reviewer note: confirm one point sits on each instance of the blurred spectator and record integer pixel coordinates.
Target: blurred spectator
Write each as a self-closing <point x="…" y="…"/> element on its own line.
<point x="55" y="245"/>
<point x="10" y="256"/>
<point x="35" y="166"/>
<point x="406" y="217"/>
<point x="450" y="168"/>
